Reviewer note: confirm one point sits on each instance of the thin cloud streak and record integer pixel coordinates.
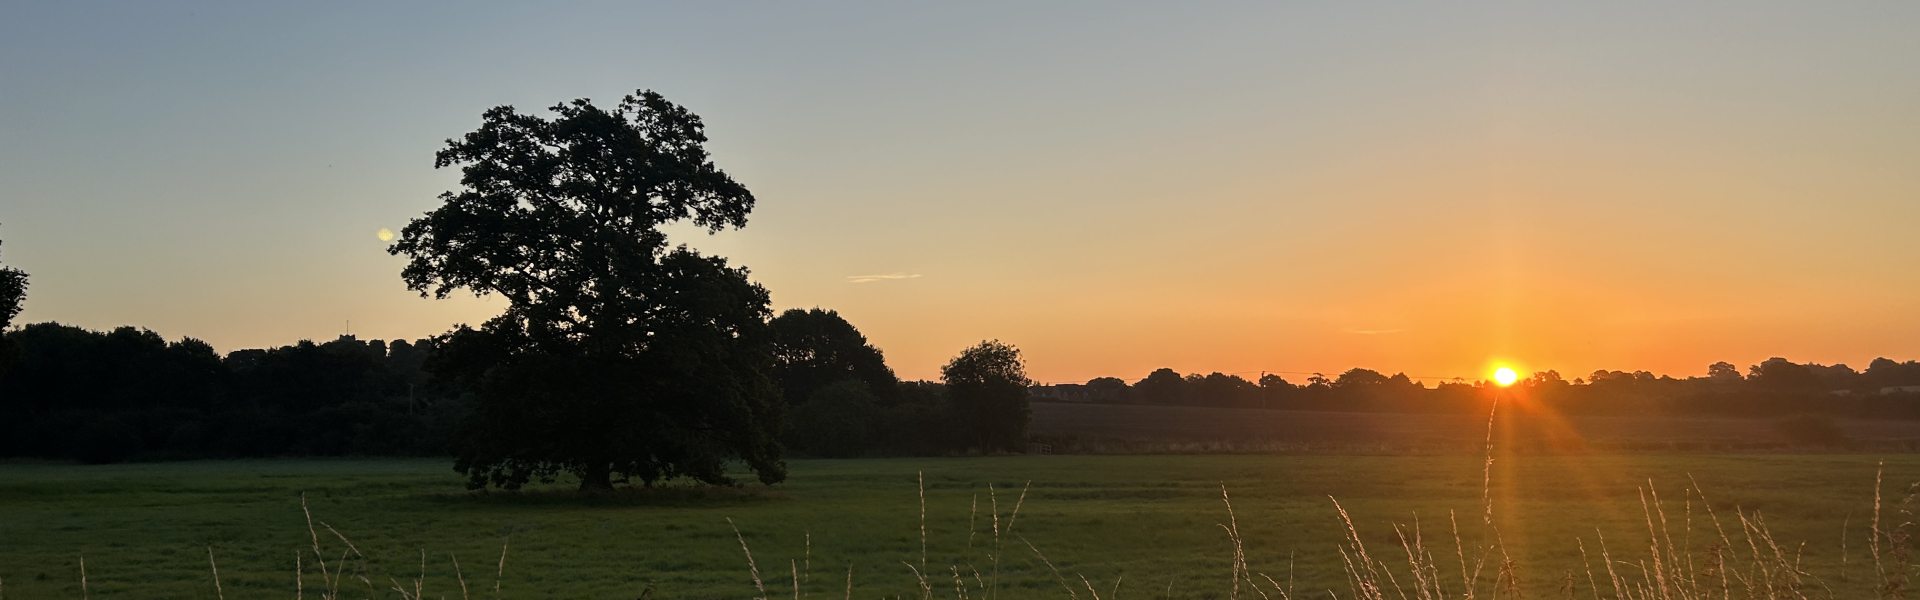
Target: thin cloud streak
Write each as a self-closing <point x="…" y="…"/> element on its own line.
<point x="886" y="277"/>
<point x="1374" y="331"/>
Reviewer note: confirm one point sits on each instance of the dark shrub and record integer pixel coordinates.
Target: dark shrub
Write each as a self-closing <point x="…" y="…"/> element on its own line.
<point x="836" y="421"/>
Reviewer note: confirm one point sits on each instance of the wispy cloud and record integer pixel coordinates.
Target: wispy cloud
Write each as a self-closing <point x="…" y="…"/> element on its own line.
<point x="1373" y="331"/>
<point x="886" y="277"/>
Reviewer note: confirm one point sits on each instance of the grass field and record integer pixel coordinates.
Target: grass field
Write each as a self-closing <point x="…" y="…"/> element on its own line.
<point x="1102" y="428"/>
<point x="145" y="529"/>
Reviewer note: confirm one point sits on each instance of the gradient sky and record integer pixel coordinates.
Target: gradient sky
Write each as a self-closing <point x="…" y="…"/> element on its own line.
<point x="1113" y="187"/>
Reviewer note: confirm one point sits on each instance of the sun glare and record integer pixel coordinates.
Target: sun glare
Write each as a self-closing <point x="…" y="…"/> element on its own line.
<point x="1505" y="376"/>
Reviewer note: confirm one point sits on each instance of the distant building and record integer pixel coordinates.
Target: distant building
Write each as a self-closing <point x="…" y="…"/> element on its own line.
<point x="1104" y="390"/>
<point x="1062" y="392"/>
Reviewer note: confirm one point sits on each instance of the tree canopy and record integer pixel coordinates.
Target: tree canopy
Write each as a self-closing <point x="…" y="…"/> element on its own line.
<point x="816" y="348"/>
<point x="13" y="292"/>
<point x="617" y="357"/>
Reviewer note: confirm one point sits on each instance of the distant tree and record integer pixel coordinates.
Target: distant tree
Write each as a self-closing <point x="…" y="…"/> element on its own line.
<point x="1724" y="371"/>
<point x="816" y="348"/>
<point x="1780" y="374"/>
<point x="1274" y="389"/>
<point x="837" y="421"/>
<point x="1887" y="372"/>
<point x="1220" y="389"/>
<point x="1109" y="389"/>
<point x="1357" y="378"/>
<point x="1546" y="379"/>
<point x="616" y="358"/>
<point x="1162" y="386"/>
<point x="1610" y="377"/>
<point x="988" y="385"/>
<point x="1271" y="381"/>
<point x="1193" y="389"/>
<point x="1835" y="377"/>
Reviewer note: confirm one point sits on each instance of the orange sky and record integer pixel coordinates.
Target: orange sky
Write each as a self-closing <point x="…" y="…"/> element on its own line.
<point x="1230" y="187"/>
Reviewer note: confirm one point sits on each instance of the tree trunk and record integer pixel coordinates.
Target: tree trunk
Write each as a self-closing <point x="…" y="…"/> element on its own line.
<point x="596" y="477"/>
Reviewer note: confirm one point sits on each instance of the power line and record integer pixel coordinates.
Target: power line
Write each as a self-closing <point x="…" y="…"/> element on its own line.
<point x="1278" y="372"/>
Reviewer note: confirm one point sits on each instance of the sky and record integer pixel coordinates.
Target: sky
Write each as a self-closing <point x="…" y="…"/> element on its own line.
<point x="1112" y="187"/>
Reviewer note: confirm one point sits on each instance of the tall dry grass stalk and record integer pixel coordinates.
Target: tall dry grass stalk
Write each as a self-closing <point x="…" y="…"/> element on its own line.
<point x="751" y="567"/>
<point x="922" y="488"/>
<point x="1486" y="475"/>
<point x="419" y="583"/>
<point x="500" y="572"/>
<point x="458" y="575"/>
<point x="220" y="593"/>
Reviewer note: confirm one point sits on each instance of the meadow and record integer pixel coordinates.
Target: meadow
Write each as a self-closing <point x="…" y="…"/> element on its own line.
<point x="1131" y="526"/>
<point x="1110" y="428"/>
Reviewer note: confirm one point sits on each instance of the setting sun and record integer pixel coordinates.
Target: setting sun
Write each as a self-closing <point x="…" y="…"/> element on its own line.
<point x="1505" y="376"/>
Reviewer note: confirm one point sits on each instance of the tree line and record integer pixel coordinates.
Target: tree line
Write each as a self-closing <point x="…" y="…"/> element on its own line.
<point x="1775" y="387"/>
<point x="129" y="394"/>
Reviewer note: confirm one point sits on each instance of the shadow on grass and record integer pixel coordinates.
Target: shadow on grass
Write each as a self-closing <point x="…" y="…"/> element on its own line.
<point x="674" y="496"/>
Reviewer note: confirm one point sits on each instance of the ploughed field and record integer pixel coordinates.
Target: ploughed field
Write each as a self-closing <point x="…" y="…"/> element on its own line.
<point x="1150" y="525"/>
<point x="1108" y="428"/>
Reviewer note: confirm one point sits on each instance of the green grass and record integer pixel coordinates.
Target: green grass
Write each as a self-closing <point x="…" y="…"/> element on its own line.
<point x="145" y="529"/>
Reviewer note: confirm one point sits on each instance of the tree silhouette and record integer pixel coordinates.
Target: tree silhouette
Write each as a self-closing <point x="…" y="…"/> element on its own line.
<point x="988" y="383"/>
<point x="1109" y="389"/>
<point x="13" y="292"/>
<point x="616" y="358"/>
<point x="1724" y="371"/>
<point x="1783" y="375"/>
<point x="1162" y="386"/>
<point x="1358" y="378"/>
<point x="816" y="348"/>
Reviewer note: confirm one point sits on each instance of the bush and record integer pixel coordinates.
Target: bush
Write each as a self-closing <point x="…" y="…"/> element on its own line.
<point x="836" y="421"/>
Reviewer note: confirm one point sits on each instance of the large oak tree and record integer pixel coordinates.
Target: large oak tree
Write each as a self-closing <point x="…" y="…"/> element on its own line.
<point x="618" y="357"/>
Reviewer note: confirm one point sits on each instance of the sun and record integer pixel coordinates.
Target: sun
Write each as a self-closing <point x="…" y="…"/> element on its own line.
<point x="1505" y="376"/>
<point x="385" y="235"/>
